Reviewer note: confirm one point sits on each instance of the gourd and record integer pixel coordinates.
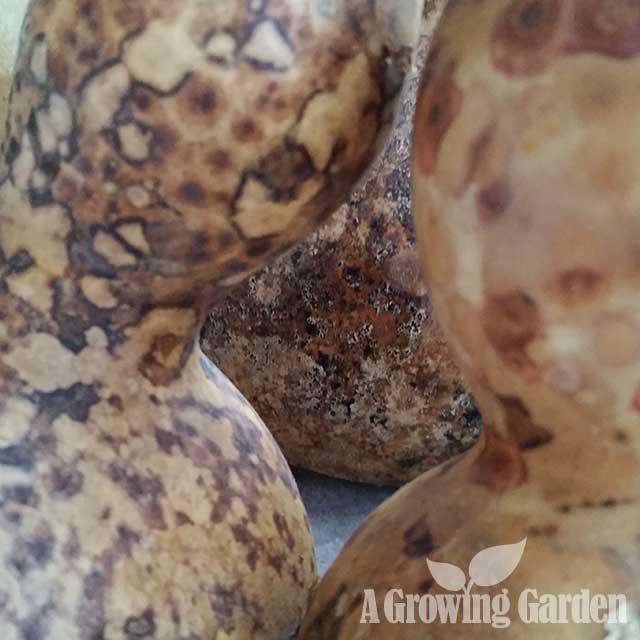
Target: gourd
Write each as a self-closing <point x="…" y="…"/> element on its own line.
<point x="335" y="344"/>
<point x="526" y="163"/>
<point x="156" y="154"/>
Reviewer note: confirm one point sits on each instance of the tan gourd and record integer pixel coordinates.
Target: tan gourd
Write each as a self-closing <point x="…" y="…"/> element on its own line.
<point x="526" y="173"/>
<point x="156" y="153"/>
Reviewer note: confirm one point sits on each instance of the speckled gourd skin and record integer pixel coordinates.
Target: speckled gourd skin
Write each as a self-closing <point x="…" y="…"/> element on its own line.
<point x="526" y="166"/>
<point x="156" y="153"/>
<point x="336" y="344"/>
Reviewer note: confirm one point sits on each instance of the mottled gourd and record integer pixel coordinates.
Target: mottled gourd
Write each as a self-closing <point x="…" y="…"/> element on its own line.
<point x="155" y="154"/>
<point x="526" y="163"/>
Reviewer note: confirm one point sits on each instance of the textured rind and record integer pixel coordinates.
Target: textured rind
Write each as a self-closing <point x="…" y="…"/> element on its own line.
<point x="335" y="345"/>
<point x="526" y="166"/>
<point x="156" y="153"/>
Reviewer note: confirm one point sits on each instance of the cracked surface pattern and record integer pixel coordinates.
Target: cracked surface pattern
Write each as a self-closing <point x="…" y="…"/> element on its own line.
<point x="154" y="154"/>
<point x="336" y="345"/>
<point x="526" y="164"/>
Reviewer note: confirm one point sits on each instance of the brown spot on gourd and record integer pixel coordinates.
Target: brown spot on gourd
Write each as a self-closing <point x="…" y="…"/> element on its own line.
<point x="525" y="36"/>
<point x="82" y="163"/>
<point x="33" y="552"/>
<point x="145" y="490"/>
<point x="607" y="27"/>
<point x="199" y="99"/>
<point x="165" y="140"/>
<point x="219" y="160"/>
<point x="246" y="130"/>
<point x="59" y="71"/>
<point x="544" y="531"/>
<point x="286" y="168"/>
<point x="501" y="466"/>
<point x="177" y="246"/>
<point x="161" y="364"/>
<point x="526" y="433"/>
<point x="283" y="529"/>
<point x="425" y="587"/>
<point x="65" y="482"/>
<point x="142" y="99"/>
<point x="110" y="168"/>
<point x="94" y="586"/>
<point x="419" y="541"/>
<point x="621" y="436"/>
<point x="67" y="187"/>
<point x="579" y="285"/>
<point x="192" y="193"/>
<point x="20" y="495"/>
<point x="88" y="13"/>
<point x="127" y="539"/>
<point x="246" y="539"/>
<point x="183" y="519"/>
<point x="276" y="562"/>
<point x="203" y="101"/>
<point x="221" y="198"/>
<point x="439" y="103"/>
<point x="88" y="55"/>
<point x="511" y="321"/>
<point x="225" y="240"/>
<point x="71" y="38"/>
<point x="75" y="401"/>
<point x="493" y="200"/>
<point x="116" y="402"/>
<point x="167" y="440"/>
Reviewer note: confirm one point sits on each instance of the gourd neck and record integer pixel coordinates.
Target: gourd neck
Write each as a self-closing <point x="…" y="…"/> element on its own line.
<point x="591" y="460"/>
<point x="59" y="320"/>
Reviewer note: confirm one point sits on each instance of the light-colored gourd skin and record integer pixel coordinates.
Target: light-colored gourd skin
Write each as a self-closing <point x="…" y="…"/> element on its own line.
<point x="156" y="153"/>
<point x="526" y="166"/>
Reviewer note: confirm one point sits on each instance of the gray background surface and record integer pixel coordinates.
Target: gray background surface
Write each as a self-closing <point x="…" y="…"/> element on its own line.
<point x="336" y="508"/>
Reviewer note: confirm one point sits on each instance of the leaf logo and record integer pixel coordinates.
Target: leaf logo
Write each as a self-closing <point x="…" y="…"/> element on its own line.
<point x="448" y="576"/>
<point x="496" y="564"/>
<point x="487" y="568"/>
